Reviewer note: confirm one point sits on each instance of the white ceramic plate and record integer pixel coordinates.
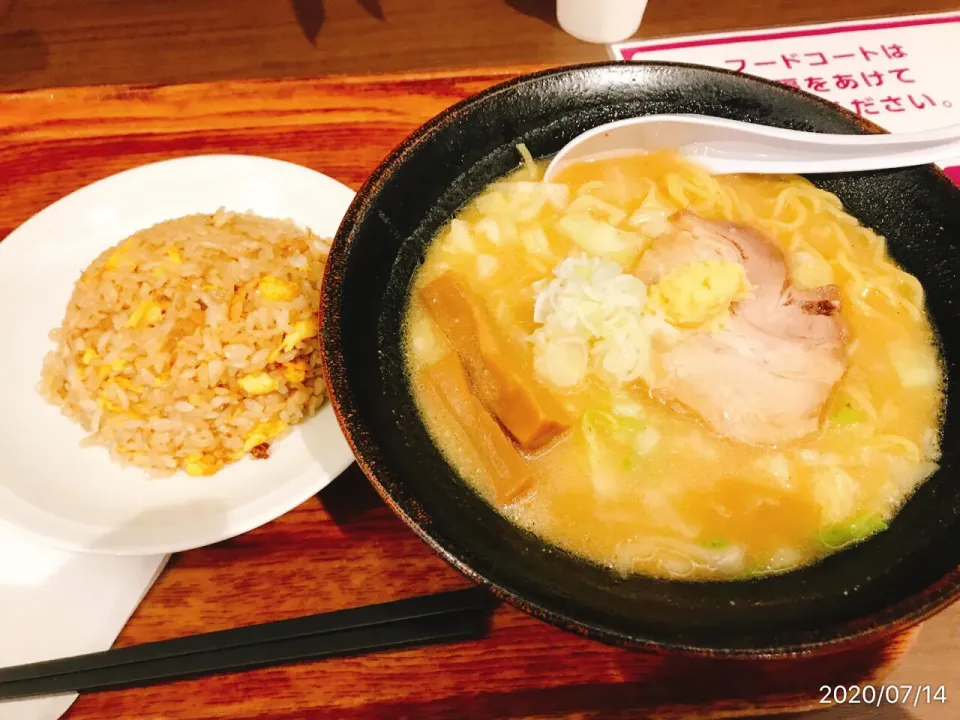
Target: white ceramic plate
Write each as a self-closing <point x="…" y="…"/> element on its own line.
<point x="78" y="498"/>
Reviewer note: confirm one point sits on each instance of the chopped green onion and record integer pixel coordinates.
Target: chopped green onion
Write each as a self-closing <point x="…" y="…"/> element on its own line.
<point x="847" y="415"/>
<point x="838" y="536"/>
<point x="716" y="544"/>
<point x="605" y="430"/>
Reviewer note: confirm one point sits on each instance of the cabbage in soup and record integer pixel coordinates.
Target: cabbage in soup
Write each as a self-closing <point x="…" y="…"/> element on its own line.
<point x="675" y="374"/>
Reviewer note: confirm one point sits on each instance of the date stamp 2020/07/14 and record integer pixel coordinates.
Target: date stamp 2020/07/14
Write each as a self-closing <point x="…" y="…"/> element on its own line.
<point x="877" y="695"/>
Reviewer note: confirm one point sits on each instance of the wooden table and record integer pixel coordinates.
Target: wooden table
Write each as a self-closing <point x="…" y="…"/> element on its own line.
<point x="46" y="43"/>
<point x="345" y="548"/>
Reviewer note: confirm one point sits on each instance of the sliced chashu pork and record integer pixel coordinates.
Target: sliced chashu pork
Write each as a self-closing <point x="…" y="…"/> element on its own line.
<point x="765" y="378"/>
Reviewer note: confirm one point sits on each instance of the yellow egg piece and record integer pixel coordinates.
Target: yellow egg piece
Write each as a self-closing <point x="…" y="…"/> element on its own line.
<point x="272" y="288"/>
<point x="89" y="355"/>
<point x="275" y="427"/>
<point x="113" y="262"/>
<point x="148" y="312"/>
<point x="114" y="366"/>
<point x="264" y="432"/>
<point x="302" y="330"/>
<point x="119" y="257"/>
<point x="116" y="259"/>
<point x="257" y="383"/>
<point x="697" y="292"/>
<point x="295" y="372"/>
<point x="108" y="405"/>
<point x="127" y="384"/>
<point x="252" y="440"/>
<point x="200" y="465"/>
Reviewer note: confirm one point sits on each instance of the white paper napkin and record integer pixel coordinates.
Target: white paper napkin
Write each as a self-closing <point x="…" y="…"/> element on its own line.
<point x="55" y="604"/>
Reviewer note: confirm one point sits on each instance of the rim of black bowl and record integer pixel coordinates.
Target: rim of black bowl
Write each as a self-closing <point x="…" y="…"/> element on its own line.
<point x="875" y="627"/>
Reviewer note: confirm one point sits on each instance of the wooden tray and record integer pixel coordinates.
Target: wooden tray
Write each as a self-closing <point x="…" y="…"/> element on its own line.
<point x="345" y="548"/>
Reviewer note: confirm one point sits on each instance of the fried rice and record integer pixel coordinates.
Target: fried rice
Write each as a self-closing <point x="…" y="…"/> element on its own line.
<point x="194" y="342"/>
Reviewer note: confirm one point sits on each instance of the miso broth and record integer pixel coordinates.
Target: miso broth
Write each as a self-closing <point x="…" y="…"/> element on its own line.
<point x="607" y="361"/>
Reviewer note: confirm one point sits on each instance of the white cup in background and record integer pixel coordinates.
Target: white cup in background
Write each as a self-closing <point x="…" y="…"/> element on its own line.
<point x="600" y="21"/>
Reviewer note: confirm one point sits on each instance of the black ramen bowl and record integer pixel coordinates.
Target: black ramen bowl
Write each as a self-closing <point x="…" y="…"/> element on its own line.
<point x="885" y="584"/>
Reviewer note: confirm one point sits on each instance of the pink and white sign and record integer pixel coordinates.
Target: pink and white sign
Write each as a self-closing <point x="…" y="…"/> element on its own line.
<point x="901" y="73"/>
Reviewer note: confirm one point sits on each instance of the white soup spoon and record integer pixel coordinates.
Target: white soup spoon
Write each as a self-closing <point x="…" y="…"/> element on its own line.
<point x="726" y="147"/>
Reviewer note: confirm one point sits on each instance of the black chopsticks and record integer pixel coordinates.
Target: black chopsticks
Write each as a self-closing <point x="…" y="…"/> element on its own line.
<point x="444" y="617"/>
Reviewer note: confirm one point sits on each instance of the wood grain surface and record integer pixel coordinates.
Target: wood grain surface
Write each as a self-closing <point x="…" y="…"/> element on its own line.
<point x="344" y="548"/>
<point x="47" y="43"/>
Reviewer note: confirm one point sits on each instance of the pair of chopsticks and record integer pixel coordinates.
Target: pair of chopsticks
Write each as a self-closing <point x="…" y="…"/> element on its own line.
<point x="444" y="617"/>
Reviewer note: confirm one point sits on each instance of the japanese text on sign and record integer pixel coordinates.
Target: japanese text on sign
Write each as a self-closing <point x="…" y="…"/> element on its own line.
<point x="829" y="81"/>
<point x="898" y="71"/>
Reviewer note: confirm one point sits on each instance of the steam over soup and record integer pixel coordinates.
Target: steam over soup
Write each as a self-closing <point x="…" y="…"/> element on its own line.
<point x="672" y="373"/>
